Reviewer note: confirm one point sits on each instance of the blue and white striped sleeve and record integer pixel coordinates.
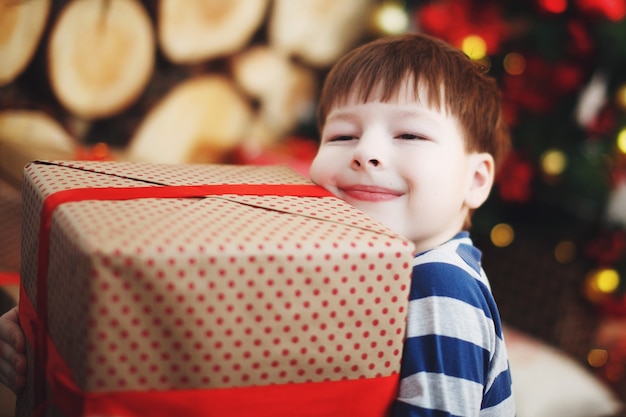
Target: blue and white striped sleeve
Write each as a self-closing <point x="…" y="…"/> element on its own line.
<point x="454" y="360"/>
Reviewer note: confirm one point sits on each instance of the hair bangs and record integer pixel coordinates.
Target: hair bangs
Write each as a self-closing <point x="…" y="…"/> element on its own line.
<point x="382" y="70"/>
<point x="382" y="74"/>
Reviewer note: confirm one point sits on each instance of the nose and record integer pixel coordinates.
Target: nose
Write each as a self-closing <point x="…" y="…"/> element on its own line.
<point x="368" y="154"/>
<point x="357" y="163"/>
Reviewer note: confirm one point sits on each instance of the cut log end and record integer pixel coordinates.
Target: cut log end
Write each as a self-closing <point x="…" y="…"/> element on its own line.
<point x="21" y="26"/>
<point x="101" y="56"/>
<point x="26" y="135"/>
<point x="194" y="31"/>
<point x="200" y="120"/>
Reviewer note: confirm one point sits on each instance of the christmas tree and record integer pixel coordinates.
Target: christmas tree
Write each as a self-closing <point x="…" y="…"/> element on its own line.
<point x="561" y="65"/>
<point x="562" y="69"/>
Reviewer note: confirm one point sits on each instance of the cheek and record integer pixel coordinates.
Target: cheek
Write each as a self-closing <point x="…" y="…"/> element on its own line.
<point x="319" y="167"/>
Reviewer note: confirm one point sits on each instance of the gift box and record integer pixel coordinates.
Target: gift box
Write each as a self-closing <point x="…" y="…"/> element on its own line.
<point x="205" y="290"/>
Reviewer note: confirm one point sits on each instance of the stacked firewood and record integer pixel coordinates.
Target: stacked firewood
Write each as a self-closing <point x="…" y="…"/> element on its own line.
<point x="164" y="80"/>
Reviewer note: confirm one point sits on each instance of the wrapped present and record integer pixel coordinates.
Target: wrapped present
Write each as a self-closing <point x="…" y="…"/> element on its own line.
<point x="205" y="290"/>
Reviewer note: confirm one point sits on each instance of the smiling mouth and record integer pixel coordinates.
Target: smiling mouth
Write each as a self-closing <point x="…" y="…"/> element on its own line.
<point x="370" y="193"/>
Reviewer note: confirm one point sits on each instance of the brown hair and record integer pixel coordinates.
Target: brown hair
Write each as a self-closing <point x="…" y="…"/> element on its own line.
<point x="383" y="65"/>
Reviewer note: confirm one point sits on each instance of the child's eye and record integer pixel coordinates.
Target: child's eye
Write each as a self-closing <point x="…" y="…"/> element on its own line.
<point x="341" y="138"/>
<point x="410" y="136"/>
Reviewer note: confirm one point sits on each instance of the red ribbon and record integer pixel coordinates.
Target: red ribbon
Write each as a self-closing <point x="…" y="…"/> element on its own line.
<point x="363" y="397"/>
<point x="359" y="397"/>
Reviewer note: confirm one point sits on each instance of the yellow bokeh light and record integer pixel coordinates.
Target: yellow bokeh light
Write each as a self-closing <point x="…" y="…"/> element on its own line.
<point x="607" y="280"/>
<point x="514" y="63"/>
<point x="621" y="141"/>
<point x="553" y="162"/>
<point x="565" y="252"/>
<point x="601" y="283"/>
<point x="391" y="19"/>
<point x="475" y="47"/>
<point x="502" y="235"/>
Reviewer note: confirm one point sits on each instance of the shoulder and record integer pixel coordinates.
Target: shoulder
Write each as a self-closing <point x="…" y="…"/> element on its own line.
<point x="451" y="270"/>
<point x="450" y="287"/>
<point x="454" y="334"/>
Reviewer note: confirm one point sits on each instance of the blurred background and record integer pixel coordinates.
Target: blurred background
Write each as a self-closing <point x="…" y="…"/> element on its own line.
<point x="237" y="81"/>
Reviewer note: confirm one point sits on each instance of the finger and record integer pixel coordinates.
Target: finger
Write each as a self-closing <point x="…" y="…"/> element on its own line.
<point x="7" y="374"/>
<point x="12" y="349"/>
<point x="19" y="364"/>
<point x="7" y="351"/>
<point x="11" y="332"/>
<point x="12" y="369"/>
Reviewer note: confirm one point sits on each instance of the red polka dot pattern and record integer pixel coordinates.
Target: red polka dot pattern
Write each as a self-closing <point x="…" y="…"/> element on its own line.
<point x="214" y="292"/>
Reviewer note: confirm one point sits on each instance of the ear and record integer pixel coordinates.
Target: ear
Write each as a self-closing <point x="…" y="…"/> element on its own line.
<point x="480" y="179"/>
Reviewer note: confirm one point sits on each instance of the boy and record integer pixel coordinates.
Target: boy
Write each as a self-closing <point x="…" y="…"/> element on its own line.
<point x="411" y="133"/>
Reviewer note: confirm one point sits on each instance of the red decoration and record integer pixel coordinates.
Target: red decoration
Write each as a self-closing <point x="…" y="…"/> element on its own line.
<point x="615" y="306"/>
<point x="604" y="123"/>
<point x="514" y="179"/>
<point x="608" y="9"/>
<point x="98" y="152"/>
<point x="608" y="248"/>
<point x="295" y="152"/>
<point x="581" y="43"/>
<point x="529" y="90"/>
<point x="566" y="77"/>
<point x="9" y="278"/>
<point x="455" y="20"/>
<point x="553" y="6"/>
<point x="542" y="84"/>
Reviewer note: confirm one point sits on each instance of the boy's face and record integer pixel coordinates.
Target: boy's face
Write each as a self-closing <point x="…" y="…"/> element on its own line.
<point x="404" y="164"/>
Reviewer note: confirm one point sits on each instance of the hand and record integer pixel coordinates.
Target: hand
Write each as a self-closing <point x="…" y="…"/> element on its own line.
<point x="12" y="349"/>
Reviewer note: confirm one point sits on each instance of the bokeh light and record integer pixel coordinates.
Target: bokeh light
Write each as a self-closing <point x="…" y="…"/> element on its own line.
<point x="553" y="6"/>
<point x="514" y="63"/>
<point x="475" y="47"/>
<point x="607" y="280"/>
<point x="597" y="358"/>
<point x="565" y="251"/>
<point x="621" y="141"/>
<point x="601" y="283"/>
<point x="553" y="162"/>
<point x="390" y="19"/>
<point x="502" y="235"/>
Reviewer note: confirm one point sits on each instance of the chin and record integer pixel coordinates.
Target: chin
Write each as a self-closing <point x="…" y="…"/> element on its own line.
<point x="383" y="218"/>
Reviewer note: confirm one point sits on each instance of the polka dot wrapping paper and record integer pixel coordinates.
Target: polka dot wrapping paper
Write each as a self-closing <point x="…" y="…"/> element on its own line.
<point x="207" y="293"/>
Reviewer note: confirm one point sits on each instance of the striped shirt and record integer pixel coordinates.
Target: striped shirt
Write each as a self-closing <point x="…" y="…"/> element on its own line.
<point x="454" y="361"/>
